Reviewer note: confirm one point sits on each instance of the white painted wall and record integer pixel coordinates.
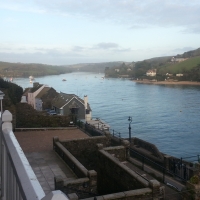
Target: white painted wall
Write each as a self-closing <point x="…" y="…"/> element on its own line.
<point x="31" y="96"/>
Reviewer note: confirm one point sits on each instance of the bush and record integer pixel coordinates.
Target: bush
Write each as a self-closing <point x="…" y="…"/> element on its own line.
<point x="194" y="179"/>
<point x="28" y="117"/>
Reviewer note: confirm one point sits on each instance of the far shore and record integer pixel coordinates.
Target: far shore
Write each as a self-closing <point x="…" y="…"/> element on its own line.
<point x="168" y="82"/>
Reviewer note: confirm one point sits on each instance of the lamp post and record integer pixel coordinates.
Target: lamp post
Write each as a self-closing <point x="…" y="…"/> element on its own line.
<point x="1" y="98"/>
<point x="130" y="121"/>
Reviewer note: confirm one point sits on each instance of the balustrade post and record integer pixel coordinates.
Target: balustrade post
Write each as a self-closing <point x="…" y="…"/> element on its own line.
<point x="7" y="119"/>
<point x="6" y="124"/>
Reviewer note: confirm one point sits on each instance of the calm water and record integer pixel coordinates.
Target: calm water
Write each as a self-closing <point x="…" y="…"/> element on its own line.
<point x="168" y="116"/>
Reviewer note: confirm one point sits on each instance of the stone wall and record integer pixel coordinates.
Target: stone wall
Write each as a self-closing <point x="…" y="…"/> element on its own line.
<point x="113" y="176"/>
<point x="118" y="152"/>
<point x="87" y="179"/>
<point x="85" y="150"/>
<point x="147" y="148"/>
<point x="142" y="194"/>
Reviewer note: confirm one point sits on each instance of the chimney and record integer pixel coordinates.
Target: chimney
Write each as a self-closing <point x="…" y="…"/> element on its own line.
<point x="85" y="101"/>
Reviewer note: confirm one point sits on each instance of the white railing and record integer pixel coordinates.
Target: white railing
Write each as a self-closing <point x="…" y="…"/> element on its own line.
<point x="18" y="180"/>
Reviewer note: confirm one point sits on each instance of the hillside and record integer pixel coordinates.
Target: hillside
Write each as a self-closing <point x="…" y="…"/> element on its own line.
<point x="93" y="67"/>
<point x="138" y="69"/>
<point x="25" y="70"/>
<point x="182" y="67"/>
<point x="189" y="54"/>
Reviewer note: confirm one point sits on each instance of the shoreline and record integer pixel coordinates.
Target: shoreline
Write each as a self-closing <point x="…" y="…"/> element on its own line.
<point x="168" y="82"/>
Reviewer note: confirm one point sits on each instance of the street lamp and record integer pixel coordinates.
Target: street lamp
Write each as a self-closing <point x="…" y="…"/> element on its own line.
<point x="130" y="121"/>
<point x="1" y="98"/>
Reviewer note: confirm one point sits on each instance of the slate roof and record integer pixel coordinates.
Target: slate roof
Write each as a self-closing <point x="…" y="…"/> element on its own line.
<point x="26" y="91"/>
<point x="63" y="99"/>
<point x="36" y="88"/>
<point x="42" y="92"/>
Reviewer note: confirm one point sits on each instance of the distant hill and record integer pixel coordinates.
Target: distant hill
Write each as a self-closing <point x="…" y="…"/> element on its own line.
<point x="138" y="69"/>
<point x="26" y="70"/>
<point x="189" y="54"/>
<point x="187" y="64"/>
<point x="93" y="67"/>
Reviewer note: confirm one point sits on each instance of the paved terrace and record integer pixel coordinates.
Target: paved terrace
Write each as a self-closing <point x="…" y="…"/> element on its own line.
<point x="38" y="148"/>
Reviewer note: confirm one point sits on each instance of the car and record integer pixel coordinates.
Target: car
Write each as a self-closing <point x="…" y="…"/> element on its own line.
<point x="71" y="123"/>
<point x="52" y="113"/>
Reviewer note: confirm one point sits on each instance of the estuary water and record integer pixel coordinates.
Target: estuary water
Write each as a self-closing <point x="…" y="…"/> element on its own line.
<point x="165" y="115"/>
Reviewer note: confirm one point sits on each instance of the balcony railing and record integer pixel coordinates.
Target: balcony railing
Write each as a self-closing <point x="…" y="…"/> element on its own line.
<point x="18" y="180"/>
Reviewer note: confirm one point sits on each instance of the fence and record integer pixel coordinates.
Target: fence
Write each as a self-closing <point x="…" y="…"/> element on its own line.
<point x="178" y="170"/>
<point x="18" y="180"/>
<point x="115" y="134"/>
<point x="87" y="128"/>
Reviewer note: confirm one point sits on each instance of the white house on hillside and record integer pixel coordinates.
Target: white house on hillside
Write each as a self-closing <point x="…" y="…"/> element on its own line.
<point x="151" y="72"/>
<point x="178" y="59"/>
<point x="179" y="75"/>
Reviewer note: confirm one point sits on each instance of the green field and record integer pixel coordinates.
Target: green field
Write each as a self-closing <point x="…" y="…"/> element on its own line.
<point x="182" y="67"/>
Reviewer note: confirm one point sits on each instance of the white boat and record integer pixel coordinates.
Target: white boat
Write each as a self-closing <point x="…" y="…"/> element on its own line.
<point x="31" y="78"/>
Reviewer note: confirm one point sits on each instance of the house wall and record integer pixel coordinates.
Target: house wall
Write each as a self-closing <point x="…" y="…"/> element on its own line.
<point x="47" y="99"/>
<point x="23" y="99"/>
<point x="31" y="99"/>
<point x="38" y="104"/>
<point x="150" y="73"/>
<point x="88" y="113"/>
<point x="81" y="112"/>
<point x="32" y="95"/>
<point x="88" y="117"/>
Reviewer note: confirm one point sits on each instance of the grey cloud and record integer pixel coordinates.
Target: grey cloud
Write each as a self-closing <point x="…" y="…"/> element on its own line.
<point x="78" y="48"/>
<point x="111" y="47"/>
<point x="50" y="57"/>
<point x="108" y="45"/>
<point x="123" y="50"/>
<point x="131" y="13"/>
<point x="176" y="13"/>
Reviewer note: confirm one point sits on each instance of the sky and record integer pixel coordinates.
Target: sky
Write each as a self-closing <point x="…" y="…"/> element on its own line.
<point x="62" y="32"/>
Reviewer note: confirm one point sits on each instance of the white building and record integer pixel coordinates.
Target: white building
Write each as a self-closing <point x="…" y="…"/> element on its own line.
<point x="37" y="88"/>
<point x="151" y="72"/>
<point x="178" y="59"/>
<point x="179" y="75"/>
